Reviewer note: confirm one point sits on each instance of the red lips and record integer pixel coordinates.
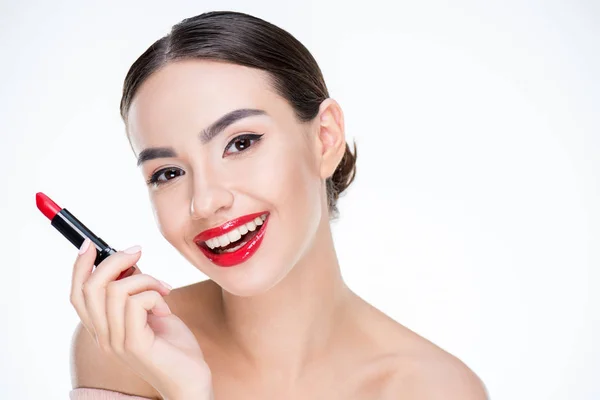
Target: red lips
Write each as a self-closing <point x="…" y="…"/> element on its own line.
<point x="226" y="227"/>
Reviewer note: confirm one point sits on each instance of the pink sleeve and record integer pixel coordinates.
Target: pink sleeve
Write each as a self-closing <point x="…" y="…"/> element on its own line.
<point x="100" y="394"/>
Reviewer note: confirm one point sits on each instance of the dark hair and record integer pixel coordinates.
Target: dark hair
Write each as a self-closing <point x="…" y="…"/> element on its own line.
<point x="246" y="40"/>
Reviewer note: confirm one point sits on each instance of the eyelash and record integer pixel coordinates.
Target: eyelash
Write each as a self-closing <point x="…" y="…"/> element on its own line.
<point x="153" y="180"/>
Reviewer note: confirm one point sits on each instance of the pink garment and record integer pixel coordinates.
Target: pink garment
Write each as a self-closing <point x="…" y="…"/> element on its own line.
<point x="100" y="394"/>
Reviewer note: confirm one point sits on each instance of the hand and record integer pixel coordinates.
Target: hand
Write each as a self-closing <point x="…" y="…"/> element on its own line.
<point x="130" y="319"/>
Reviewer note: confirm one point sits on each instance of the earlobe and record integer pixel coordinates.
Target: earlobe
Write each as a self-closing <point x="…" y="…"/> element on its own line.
<point x="332" y="136"/>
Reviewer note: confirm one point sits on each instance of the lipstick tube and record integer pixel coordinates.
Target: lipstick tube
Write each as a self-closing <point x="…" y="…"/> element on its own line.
<point x="75" y="231"/>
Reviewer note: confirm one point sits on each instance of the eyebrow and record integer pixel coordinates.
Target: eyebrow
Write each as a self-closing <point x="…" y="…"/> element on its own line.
<point x="205" y="136"/>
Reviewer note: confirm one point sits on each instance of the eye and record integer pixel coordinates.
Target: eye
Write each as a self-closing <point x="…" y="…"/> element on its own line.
<point x="242" y="142"/>
<point x="163" y="175"/>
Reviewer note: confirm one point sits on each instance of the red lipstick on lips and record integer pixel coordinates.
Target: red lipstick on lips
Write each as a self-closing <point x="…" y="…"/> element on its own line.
<point x="241" y="254"/>
<point x="74" y="230"/>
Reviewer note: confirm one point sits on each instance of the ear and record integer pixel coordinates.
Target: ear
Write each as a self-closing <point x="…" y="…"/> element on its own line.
<point x="331" y="137"/>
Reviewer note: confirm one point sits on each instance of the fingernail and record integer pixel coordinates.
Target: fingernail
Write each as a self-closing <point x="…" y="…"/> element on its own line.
<point x="84" y="246"/>
<point x="133" y="250"/>
<point x="165" y="284"/>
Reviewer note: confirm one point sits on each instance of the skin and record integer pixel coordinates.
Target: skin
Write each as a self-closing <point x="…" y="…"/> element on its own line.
<point x="283" y="324"/>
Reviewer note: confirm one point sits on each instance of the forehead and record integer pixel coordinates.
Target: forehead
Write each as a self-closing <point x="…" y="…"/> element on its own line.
<point x="191" y="94"/>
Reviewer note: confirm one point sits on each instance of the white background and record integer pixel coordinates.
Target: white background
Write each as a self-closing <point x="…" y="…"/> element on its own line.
<point x="474" y="218"/>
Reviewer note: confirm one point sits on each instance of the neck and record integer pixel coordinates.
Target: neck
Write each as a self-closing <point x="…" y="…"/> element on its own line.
<point x="280" y="331"/>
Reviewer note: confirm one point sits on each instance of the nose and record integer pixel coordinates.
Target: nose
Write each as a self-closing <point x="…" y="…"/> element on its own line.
<point x="208" y="199"/>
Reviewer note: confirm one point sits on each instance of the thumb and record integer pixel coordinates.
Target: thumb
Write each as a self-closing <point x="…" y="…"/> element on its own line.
<point x="133" y="270"/>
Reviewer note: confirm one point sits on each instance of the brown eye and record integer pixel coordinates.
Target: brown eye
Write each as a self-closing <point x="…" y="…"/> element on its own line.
<point x="170" y="174"/>
<point x="164" y="175"/>
<point x="242" y="143"/>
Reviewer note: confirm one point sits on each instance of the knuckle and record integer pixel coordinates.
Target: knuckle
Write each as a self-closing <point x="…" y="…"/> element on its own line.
<point x="87" y="288"/>
<point x="154" y="296"/>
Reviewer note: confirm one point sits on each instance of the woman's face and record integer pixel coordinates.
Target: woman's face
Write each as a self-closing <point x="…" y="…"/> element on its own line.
<point x="203" y="184"/>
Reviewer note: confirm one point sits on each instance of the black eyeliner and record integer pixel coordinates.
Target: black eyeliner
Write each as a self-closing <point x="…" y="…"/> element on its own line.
<point x="153" y="180"/>
<point x="255" y="136"/>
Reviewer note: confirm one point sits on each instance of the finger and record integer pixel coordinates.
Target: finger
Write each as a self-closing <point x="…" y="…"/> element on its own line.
<point x="118" y="264"/>
<point x="94" y="290"/>
<point x="138" y="334"/>
<point x="82" y="270"/>
<point x="117" y="293"/>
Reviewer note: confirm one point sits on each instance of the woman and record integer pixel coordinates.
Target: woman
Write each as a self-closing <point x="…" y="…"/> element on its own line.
<point x="245" y="156"/>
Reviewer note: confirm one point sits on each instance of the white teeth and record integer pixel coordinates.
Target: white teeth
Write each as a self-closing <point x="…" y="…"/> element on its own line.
<point x="235" y="234"/>
<point x="223" y="240"/>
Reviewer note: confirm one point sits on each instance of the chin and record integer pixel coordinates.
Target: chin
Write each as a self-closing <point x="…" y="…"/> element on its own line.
<point x="251" y="279"/>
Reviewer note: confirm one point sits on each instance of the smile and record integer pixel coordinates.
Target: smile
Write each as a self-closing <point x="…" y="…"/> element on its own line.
<point x="235" y="241"/>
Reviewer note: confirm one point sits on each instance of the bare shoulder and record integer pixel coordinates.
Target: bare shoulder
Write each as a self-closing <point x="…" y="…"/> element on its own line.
<point x="92" y="368"/>
<point x="433" y="377"/>
<point x="411" y="367"/>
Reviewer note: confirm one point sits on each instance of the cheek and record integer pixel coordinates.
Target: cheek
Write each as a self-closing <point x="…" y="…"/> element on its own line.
<point x="171" y="216"/>
<point x="283" y="176"/>
<point x="291" y="185"/>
